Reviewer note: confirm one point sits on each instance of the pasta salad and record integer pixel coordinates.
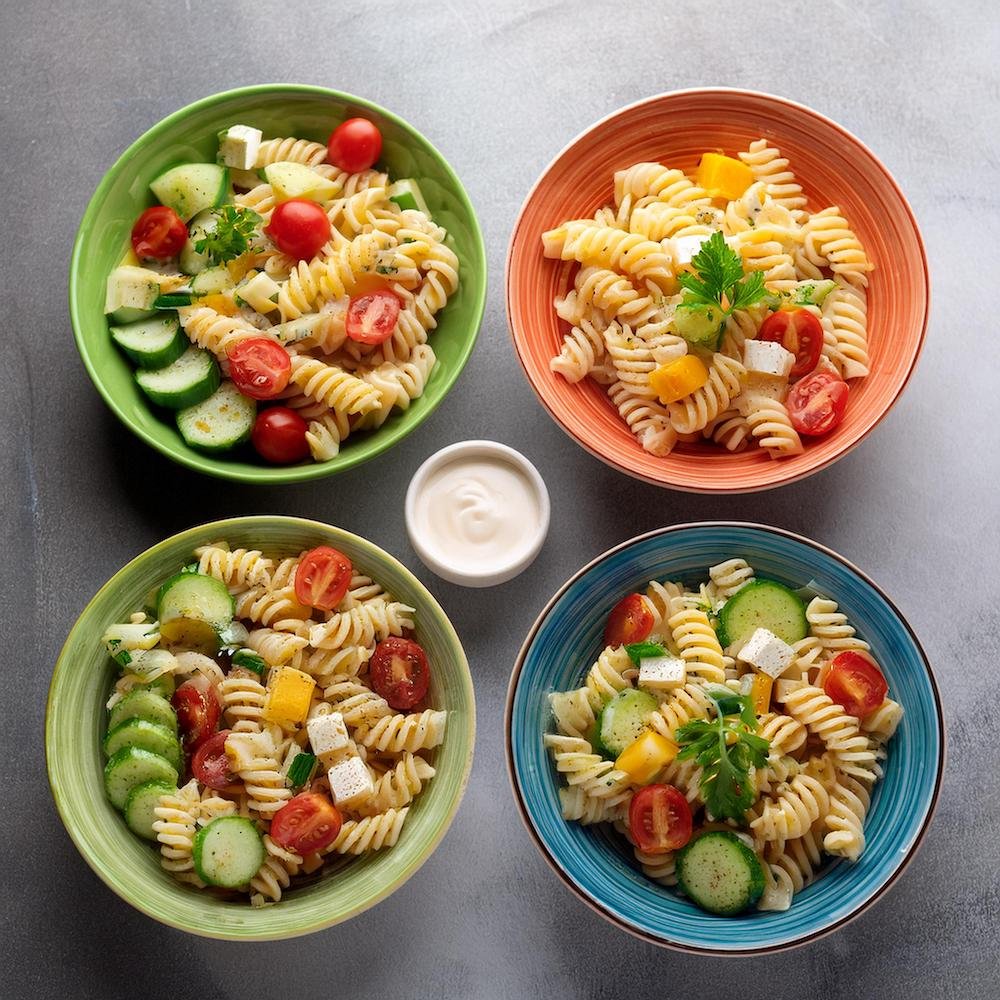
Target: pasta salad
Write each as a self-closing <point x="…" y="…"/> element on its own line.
<point x="270" y="715"/>
<point x="283" y="295"/>
<point x="732" y="734"/>
<point x="717" y="309"/>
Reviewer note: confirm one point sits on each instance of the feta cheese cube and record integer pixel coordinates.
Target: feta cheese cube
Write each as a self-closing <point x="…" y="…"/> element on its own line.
<point x="765" y="652"/>
<point x="685" y="249"/>
<point x="350" y="782"/>
<point x="238" y="146"/>
<point x="327" y="734"/>
<point x="662" y="673"/>
<point x="767" y="358"/>
<point x="260" y="292"/>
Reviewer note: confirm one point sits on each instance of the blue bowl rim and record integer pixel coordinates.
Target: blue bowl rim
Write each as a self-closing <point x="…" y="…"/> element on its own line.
<point x="594" y="904"/>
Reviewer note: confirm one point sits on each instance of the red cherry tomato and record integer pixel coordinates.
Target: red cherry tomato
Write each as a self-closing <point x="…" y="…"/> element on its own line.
<point x="817" y="404"/>
<point x="399" y="672"/>
<point x="305" y="823"/>
<point x="158" y="234"/>
<point x="354" y="145"/>
<point x="855" y="682"/>
<point x="630" y="621"/>
<point x="659" y="819"/>
<point x="322" y="578"/>
<point x="279" y="435"/>
<point x="198" y="708"/>
<point x="259" y="367"/>
<point x="798" y="331"/>
<point x="371" y="318"/>
<point x="210" y="764"/>
<point x="299" y="228"/>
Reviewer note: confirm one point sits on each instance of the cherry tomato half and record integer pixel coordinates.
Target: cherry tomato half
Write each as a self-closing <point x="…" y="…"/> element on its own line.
<point x="279" y="435"/>
<point x="259" y="367"/>
<point x="659" y="819"/>
<point x="299" y="227"/>
<point x="371" y="318"/>
<point x="630" y="621"/>
<point x="305" y="823"/>
<point x="198" y="708"/>
<point x="322" y="577"/>
<point x="399" y="672"/>
<point x="210" y="764"/>
<point x="158" y="234"/>
<point x="817" y="404"/>
<point x="855" y="682"/>
<point x="354" y="145"/>
<point x="798" y="331"/>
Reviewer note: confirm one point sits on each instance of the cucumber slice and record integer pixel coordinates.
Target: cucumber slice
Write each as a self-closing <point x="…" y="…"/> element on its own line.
<point x="150" y="736"/>
<point x="623" y="719"/>
<point x="228" y="852"/>
<point x="219" y="423"/>
<point x="131" y="292"/>
<point x="190" y="261"/>
<point x="407" y="194"/>
<point x="193" y="609"/>
<point x="191" y="188"/>
<point x="700" y="325"/>
<point x="192" y="378"/>
<point x="211" y="281"/>
<point x="152" y="343"/>
<point x="719" y="873"/>
<point x="763" y="604"/>
<point x="139" y="806"/>
<point x="164" y="685"/>
<point x="133" y="766"/>
<point x="143" y="703"/>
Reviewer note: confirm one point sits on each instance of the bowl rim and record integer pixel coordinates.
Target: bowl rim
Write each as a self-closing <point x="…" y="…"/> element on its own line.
<point x="594" y="904"/>
<point x="206" y="529"/>
<point x="208" y="464"/>
<point x="778" y="480"/>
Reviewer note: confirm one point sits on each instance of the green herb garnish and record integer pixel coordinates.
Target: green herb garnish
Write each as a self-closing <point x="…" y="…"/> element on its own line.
<point x="231" y="236"/>
<point x="301" y="769"/>
<point x="249" y="660"/>
<point x="640" y="650"/>
<point x="726" y="748"/>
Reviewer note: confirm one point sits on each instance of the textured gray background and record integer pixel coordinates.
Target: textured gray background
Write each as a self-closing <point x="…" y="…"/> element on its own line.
<point x="500" y="88"/>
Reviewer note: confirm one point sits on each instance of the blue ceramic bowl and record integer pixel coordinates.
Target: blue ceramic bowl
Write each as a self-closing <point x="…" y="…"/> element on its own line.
<point x="567" y="638"/>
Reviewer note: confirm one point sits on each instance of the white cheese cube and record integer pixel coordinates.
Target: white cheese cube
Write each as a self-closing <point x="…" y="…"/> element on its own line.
<point x="767" y="358"/>
<point x="350" y="782"/>
<point x="662" y="673"/>
<point x="260" y="292"/>
<point x="327" y="734"/>
<point x="685" y="249"/>
<point x="238" y="146"/>
<point x="765" y="652"/>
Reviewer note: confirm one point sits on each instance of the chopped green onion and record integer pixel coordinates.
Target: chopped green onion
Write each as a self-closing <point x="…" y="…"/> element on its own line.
<point x="249" y="660"/>
<point x="121" y="656"/>
<point x="640" y="650"/>
<point x="301" y="769"/>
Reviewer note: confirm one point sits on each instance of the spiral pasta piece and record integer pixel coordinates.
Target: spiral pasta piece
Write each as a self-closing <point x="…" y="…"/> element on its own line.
<point x="830" y="625"/>
<point x="290" y="150"/>
<point x="695" y="640"/>
<point x="577" y="805"/>
<point x="242" y="701"/>
<point x="238" y="569"/>
<point x="583" y="768"/>
<point x="730" y="576"/>
<point x="686" y="703"/>
<point x="845" y="820"/>
<point x="214" y="332"/>
<point x="829" y="241"/>
<point x="799" y="858"/>
<point x="791" y="812"/>
<point x="278" y="609"/>
<point x="359" y="705"/>
<point x="175" y="826"/>
<point x="362" y="625"/>
<point x="771" y="426"/>
<point x="400" y="785"/>
<point x="646" y="418"/>
<point x="845" y="315"/>
<point x="371" y="833"/>
<point x="396" y="733"/>
<point x="325" y="434"/>
<point x="693" y="412"/>
<point x="607" y="676"/>
<point x="661" y="868"/>
<point x="771" y="168"/>
<point x="254" y="757"/>
<point x="275" y="873"/>
<point x="882" y="723"/>
<point x="331" y="385"/>
<point x="573" y="711"/>
<point x="785" y="734"/>
<point x="582" y="348"/>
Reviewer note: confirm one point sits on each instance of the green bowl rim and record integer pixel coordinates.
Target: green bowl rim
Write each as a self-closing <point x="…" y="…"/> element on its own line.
<point x="385" y="438"/>
<point x="216" y="528"/>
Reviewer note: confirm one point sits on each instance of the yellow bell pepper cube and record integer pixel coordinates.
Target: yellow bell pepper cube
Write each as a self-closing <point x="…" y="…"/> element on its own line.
<point x="678" y="379"/>
<point x="760" y="693"/>
<point x="646" y="756"/>
<point x="289" y="693"/>
<point x="723" y="176"/>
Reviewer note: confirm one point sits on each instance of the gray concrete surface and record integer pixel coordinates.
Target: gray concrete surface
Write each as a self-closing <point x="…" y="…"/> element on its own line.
<point x="500" y="88"/>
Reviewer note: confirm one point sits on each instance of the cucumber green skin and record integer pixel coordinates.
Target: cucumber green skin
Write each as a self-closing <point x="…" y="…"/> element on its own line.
<point x="733" y="862"/>
<point x="699" y="327"/>
<point x="133" y="766"/>
<point x="129" y="338"/>
<point x="129" y="314"/>
<point x="195" y="596"/>
<point x="175" y="188"/>
<point x="139" y="806"/>
<point x="143" y="703"/>
<point x="171" y="300"/>
<point x="136" y="732"/>
<point x="763" y="604"/>
<point x="195" y="438"/>
<point x="164" y="685"/>
<point x="622" y="720"/>
<point x="213" y="854"/>
<point x="190" y="261"/>
<point x="188" y="395"/>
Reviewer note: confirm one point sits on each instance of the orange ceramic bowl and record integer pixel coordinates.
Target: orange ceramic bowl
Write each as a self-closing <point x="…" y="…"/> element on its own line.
<point x="833" y="167"/>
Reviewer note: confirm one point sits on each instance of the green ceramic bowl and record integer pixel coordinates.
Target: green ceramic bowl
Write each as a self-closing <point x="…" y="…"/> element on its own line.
<point x="75" y="720"/>
<point x="190" y="134"/>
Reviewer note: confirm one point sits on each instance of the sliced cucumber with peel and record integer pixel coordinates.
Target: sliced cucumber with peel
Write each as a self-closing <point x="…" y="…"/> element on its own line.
<point x="143" y="703"/>
<point x="152" y="343"/>
<point x="623" y="719"/>
<point x="212" y="281"/>
<point x="221" y="422"/>
<point x="148" y="735"/>
<point x="763" y="604"/>
<point x="719" y="873"/>
<point x="228" y="852"/>
<point x="190" y="261"/>
<point x="192" y="378"/>
<point x="140" y="806"/>
<point x="191" y="188"/>
<point x="193" y="609"/>
<point x="133" y="766"/>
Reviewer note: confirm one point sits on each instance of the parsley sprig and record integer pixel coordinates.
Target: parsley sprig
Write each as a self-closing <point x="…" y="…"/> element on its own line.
<point x="720" y="281"/>
<point x="726" y="748"/>
<point x="232" y="234"/>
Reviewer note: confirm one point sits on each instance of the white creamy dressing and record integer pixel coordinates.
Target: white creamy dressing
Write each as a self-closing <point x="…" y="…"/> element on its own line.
<point x="478" y="513"/>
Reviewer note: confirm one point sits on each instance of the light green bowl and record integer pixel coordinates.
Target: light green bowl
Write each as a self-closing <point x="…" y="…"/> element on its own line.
<point x="190" y="134"/>
<point x="75" y="721"/>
